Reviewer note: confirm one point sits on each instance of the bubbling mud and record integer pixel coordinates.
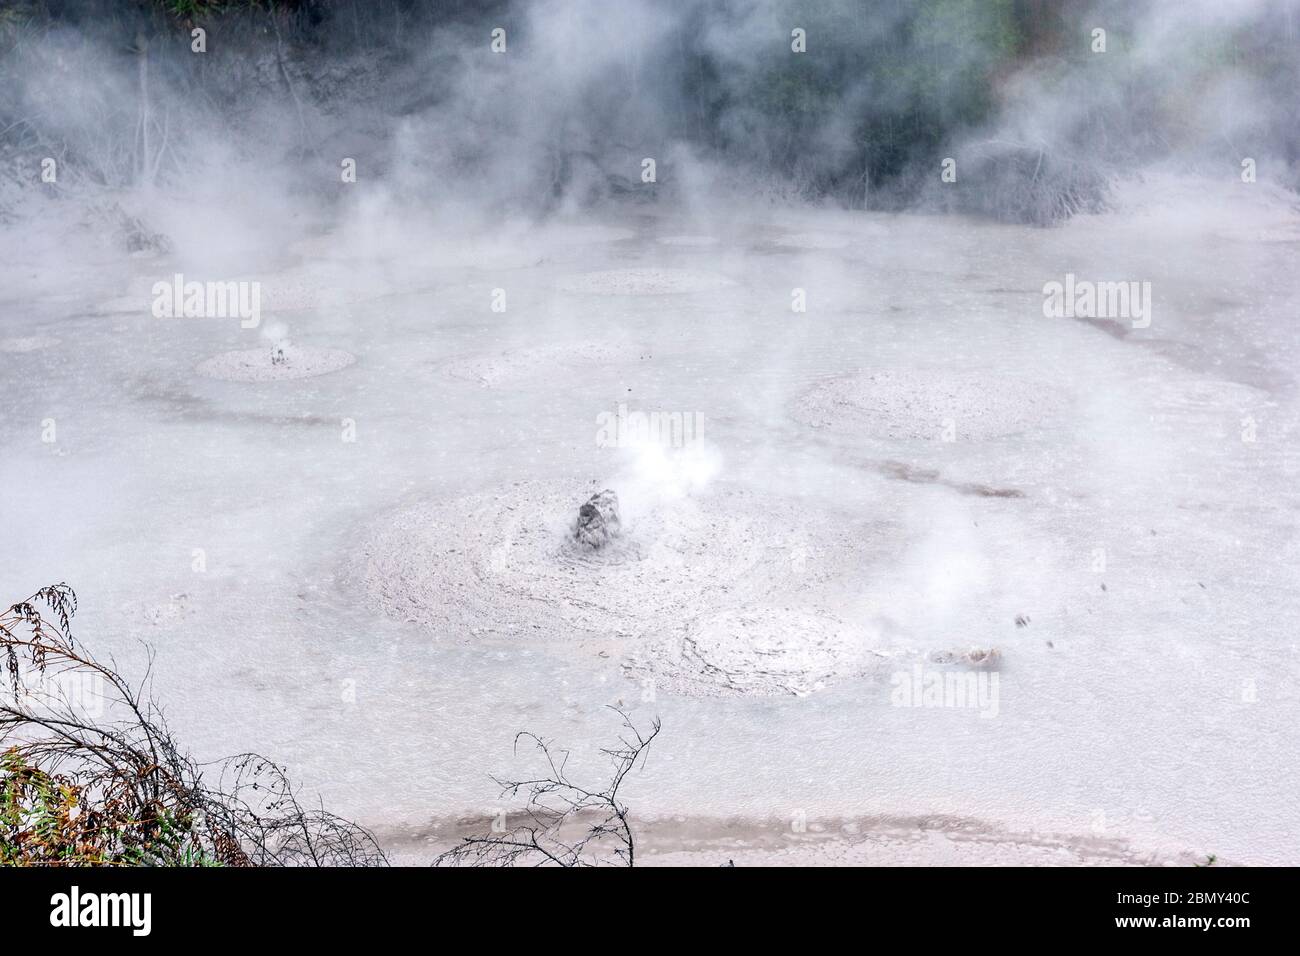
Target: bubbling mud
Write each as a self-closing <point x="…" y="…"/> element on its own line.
<point x="643" y="282"/>
<point x="527" y="365"/>
<point x="813" y="241"/>
<point x="932" y="404"/>
<point x="759" y="650"/>
<point x="709" y="595"/>
<point x="27" y="343"/>
<point x="689" y="241"/>
<point x="275" y="364"/>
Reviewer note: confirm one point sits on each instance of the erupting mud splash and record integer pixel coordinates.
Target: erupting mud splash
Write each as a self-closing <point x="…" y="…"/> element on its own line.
<point x="708" y="596"/>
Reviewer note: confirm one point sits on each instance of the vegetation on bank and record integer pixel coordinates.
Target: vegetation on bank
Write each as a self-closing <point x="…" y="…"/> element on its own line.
<point x="875" y="93"/>
<point x="91" y="776"/>
<point x="1014" y="90"/>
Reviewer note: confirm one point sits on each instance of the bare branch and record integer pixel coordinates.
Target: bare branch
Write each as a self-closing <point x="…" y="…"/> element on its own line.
<point x="565" y="824"/>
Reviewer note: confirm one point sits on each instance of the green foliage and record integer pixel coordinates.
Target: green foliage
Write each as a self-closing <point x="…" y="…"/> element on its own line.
<point x="873" y="90"/>
<point x="107" y="785"/>
<point x="48" y="820"/>
<point x="193" y="9"/>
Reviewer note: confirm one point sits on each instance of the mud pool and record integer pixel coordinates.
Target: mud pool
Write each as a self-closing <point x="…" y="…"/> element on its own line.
<point x="366" y="574"/>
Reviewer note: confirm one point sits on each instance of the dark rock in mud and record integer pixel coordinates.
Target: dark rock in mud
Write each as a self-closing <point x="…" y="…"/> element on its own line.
<point x="131" y="231"/>
<point x="139" y="238"/>
<point x="598" y="523"/>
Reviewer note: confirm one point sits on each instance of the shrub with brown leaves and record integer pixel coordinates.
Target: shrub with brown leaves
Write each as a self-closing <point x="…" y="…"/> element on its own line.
<point x="90" y="774"/>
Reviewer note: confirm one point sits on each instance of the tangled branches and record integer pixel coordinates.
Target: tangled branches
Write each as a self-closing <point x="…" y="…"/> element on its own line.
<point x="564" y="824"/>
<point x="90" y="774"/>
